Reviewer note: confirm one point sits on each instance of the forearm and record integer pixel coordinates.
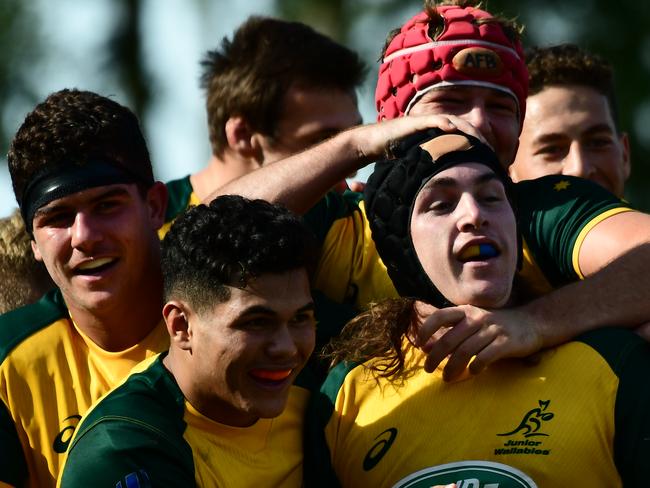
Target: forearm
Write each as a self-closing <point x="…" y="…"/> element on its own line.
<point x="299" y="181"/>
<point x="616" y="296"/>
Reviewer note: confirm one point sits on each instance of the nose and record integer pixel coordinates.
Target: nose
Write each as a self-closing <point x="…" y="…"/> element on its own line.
<point x="470" y="214"/>
<point x="84" y="232"/>
<point x="576" y="162"/>
<point x="478" y="116"/>
<point x="282" y="343"/>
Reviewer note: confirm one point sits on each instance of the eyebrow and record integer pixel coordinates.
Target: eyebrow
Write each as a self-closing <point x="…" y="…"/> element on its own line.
<point x="446" y="182"/>
<point x="594" y="129"/>
<point x="261" y="309"/>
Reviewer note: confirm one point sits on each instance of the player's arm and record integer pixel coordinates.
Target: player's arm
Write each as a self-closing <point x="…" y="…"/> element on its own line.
<point x="299" y="181"/>
<point x="13" y="467"/>
<point x="589" y="235"/>
<point x="118" y="454"/>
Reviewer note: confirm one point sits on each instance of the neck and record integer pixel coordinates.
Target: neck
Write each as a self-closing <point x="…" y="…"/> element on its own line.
<point x="119" y="327"/>
<point x="220" y="171"/>
<point x="179" y="363"/>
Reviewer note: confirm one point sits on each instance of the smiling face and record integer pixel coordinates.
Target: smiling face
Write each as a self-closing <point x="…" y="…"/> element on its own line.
<point x="464" y="232"/>
<point x="100" y="245"/>
<point x="570" y="130"/>
<point x="247" y="351"/>
<point x="492" y="112"/>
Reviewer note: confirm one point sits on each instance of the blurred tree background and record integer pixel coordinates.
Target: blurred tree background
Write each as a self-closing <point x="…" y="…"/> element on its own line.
<point x="123" y="57"/>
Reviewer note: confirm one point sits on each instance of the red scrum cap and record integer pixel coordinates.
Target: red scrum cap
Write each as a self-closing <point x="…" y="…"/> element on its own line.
<point x="467" y="52"/>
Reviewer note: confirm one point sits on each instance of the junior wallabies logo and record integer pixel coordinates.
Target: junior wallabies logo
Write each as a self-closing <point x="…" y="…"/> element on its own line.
<point x="530" y="426"/>
<point x="532" y="422"/>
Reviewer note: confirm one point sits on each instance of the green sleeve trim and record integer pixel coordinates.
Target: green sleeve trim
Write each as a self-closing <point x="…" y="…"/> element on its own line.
<point x="320" y="218"/>
<point x="17" y="325"/>
<point x="124" y="453"/>
<point x="178" y="197"/>
<point x="138" y="427"/>
<point x="552" y="211"/>
<point x="13" y="467"/>
<point x="318" y="469"/>
<point x="629" y="358"/>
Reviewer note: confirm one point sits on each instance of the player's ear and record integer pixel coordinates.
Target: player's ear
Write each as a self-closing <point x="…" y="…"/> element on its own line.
<point x="176" y="315"/>
<point x="239" y="135"/>
<point x="36" y="251"/>
<point x="157" y="203"/>
<point x="625" y="146"/>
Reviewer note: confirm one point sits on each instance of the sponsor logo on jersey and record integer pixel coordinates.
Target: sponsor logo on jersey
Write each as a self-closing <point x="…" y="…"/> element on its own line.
<point x="468" y="474"/>
<point x="137" y="479"/>
<point x="380" y="448"/>
<point x="63" y="438"/>
<point x="530" y="426"/>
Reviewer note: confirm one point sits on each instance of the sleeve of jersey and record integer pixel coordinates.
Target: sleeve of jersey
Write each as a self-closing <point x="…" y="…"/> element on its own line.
<point x="555" y="214"/>
<point x="121" y="454"/>
<point x="349" y="268"/>
<point x="321" y="430"/>
<point x="13" y="467"/>
<point x="628" y="357"/>
<point x="632" y="438"/>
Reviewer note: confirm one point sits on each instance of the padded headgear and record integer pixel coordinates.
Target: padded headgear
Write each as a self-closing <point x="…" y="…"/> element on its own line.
<point x="390" y="196"/>
<point x="467" y="52"/>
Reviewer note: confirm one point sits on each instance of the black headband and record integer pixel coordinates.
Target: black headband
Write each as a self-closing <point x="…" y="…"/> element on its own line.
<point x="61" y="181"/>
<point x="390" y="196"/>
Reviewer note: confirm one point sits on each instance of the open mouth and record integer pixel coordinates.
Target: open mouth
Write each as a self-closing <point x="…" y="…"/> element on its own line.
<point x="478" y="252"/>
<point x="95" y="266"/>
<point x="271" y="376"/>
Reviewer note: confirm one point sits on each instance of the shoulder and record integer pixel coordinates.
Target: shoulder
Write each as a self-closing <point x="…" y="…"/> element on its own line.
<point x="150" y="399"/>
<point x="559" y="193"/>
<point x="18" y="325"/>
<point x="179" y="193"/>
<point x="134" y="431"/>
<point x="623" y="350"/>
<point x="334" y="206"/>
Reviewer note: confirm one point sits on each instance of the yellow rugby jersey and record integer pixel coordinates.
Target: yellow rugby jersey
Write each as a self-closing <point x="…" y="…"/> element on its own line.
<point x="50" y="374"/>
<point x="144" y="433"/>
<point x="579" y="417"/>
<point x="554" y="214"/>
<point x="180" y="196"/>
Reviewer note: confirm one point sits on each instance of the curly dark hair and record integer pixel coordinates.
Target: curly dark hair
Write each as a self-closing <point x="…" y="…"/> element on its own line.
<point x="568" y="64"/>
<point x="249" y="75"/>
<point x="74" y="126"/>
<point x="229" y="243"/>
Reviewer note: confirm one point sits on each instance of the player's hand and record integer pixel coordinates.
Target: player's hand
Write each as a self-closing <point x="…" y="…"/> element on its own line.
<point x="466" y="331"/>
<point x="375" y="141"/>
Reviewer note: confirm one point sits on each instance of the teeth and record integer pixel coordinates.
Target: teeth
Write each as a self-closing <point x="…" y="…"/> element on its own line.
<point x="95" y="263"/>
<point x="275" y="375"/>
<point x="479" y="250"/>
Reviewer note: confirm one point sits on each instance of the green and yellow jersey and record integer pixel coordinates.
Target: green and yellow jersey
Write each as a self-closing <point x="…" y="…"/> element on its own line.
<point x="554" y="212"/>
<point x="145" y="434"/>
<point x="50" y="374"/>
<point x="180" y="196"/>
<point x="578" y="417"/>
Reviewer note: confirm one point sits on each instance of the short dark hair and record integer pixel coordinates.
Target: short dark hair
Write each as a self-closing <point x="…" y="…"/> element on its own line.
<point x="74" y="127"/>
<point x="568" y="64"/>
<point x="228" y="244"/>
<point x="249" y="75"/>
